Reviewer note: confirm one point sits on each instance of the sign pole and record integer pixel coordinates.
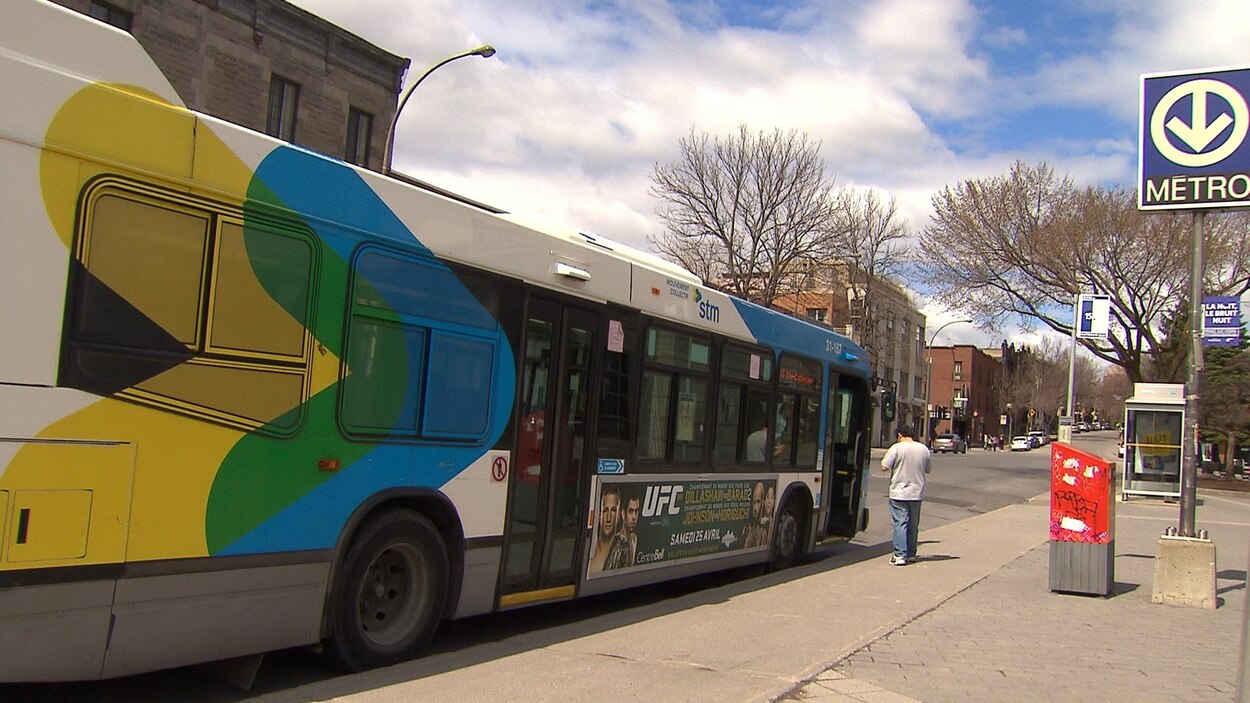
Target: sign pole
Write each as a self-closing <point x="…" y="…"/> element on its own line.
<point x="1065" y="427"/>
<point x="1190" y="446"/>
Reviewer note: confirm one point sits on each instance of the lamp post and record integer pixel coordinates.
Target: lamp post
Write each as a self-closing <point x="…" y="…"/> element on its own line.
<point x="485" y="51"/>
<point x="928" y="380"/>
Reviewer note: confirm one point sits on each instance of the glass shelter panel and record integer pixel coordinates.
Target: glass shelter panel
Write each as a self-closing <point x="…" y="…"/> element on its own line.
<point x="1152" y="451"/>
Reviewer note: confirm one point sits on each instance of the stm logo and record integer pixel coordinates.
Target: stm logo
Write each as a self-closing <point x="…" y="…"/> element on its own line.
<point x="658" y="498"/>
<point x="707" y="310"/>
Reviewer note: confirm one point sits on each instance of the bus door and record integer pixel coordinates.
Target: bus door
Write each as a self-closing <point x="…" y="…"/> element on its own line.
<point x="845" y="444"/>
<point x="546" y="493"/>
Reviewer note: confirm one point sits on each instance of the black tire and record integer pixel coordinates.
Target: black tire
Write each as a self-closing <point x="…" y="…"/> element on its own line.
<point x="389" y="593"/>
<point x="789" y="529"/>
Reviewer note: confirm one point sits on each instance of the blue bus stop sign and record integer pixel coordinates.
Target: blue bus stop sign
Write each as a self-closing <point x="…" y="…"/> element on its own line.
<point x="1194" y="151"/>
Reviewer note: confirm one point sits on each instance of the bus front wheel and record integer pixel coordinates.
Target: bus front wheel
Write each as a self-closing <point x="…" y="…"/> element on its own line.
<point x="788" y="543"/>
<point x="390" y="592"/>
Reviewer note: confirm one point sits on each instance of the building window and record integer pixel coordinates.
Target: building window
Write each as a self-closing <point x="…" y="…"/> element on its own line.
<point x="959" y="370"/>
<point x="283" y="99"/>
<point x="359" y="129"/>
<point x="818" y="314"/>
<point x="110" y="15"/>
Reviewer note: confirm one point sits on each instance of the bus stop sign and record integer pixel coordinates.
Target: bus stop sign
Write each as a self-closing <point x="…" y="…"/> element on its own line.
<point x="1194" y="152"/>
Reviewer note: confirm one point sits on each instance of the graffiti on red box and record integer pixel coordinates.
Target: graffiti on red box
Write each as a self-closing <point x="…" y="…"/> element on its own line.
<point x="1081" y="503"/>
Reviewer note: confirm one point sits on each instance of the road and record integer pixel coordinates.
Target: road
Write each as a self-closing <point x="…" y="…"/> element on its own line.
<point x="960" y="486"/>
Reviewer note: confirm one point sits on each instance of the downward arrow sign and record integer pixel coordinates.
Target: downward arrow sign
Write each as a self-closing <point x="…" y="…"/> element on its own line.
<point x="1198" y="134"/>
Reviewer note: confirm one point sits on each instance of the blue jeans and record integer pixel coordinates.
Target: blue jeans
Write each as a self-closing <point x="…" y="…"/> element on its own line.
<point x="906" y="517"/>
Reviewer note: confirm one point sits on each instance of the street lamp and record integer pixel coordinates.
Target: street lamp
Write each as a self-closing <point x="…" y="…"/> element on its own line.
<point x="928" y="380"/>
<point x="485" y="51"/>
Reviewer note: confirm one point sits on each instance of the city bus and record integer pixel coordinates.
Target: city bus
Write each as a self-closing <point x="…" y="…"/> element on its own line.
<point x="254" y="398"/>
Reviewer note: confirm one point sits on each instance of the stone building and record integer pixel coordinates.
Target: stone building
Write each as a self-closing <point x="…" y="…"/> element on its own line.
<point x="269" y="66"/>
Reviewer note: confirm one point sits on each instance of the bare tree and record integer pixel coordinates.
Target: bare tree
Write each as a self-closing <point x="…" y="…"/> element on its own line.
<point x="1024" y="245"/>
<point x="1036" y="384"/>
<point x="1113" y="389"/>
<point x="746" y="211"/>
<point x="869" y="253"/>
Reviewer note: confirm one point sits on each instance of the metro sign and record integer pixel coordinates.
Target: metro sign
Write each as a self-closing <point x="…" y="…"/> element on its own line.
<point x="1193" y="146"/>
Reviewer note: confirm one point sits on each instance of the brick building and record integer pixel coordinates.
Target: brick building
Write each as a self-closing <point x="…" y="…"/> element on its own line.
<point x="966" y="383"/>
<point x="269" y="66"/>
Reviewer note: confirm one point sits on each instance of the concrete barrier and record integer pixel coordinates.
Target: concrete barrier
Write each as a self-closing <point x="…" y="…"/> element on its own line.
<point x="1185" y="573"/>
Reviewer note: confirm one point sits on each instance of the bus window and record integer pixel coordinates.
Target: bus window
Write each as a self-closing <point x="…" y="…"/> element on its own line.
<point x="798" y="411"/>
<point x="653" y="418"/>
<point x="742" y="418"/>
<point x="758" y="444"/>
<point x="409" y="372"/>
<point x="728" y="423"/>
<point x="806" y="432"/>
<point x="689" y="432"/>
<point x="613" y="427"/>
<point x="674" y="400"/>
<point x="178" y="304"/>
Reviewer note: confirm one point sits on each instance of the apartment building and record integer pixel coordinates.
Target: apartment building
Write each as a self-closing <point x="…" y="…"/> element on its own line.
<point x="270" y="66"/>
<point x="966" y="393"/>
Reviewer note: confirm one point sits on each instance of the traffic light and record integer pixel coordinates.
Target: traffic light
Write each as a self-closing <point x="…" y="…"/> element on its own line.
<point x="887" y="406"/>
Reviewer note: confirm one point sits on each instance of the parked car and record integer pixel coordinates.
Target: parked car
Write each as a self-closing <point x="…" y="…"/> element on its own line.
<point x="1040" y="438"/>
<point x="1020" y="443"/>
<point x="950" y="443"/>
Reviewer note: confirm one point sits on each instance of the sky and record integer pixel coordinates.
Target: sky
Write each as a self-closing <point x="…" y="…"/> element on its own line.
<point x="585" y="97"/>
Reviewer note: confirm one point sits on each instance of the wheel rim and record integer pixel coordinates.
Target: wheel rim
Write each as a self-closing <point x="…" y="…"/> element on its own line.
<point x="392" y="595"/>
<point x="787" y="534"/>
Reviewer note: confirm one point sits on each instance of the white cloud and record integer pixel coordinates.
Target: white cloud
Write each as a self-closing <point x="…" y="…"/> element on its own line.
<point x="582" y="101"/>
<point x="584" y="98"/>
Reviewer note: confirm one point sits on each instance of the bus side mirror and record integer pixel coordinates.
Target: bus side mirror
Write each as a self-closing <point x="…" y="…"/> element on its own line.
<point x="887" y="406"/>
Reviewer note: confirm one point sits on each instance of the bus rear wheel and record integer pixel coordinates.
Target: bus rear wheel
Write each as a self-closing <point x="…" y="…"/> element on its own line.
<point x="390" y="592"/>
<point x="788" y="531"/>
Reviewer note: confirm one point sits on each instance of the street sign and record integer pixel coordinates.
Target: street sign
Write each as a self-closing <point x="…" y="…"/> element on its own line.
<point x="1093" y="316"/>
<point x="1221" y="321"/>
<point x="1193" y="149"/>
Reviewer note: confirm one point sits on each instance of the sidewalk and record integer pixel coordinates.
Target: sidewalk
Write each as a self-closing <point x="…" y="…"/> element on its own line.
<point x="973" y="620"/>
<point x="1006" y="637"/>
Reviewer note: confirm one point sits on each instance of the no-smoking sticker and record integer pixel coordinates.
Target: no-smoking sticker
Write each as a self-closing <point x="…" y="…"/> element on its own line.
<point x="499" y="469"/>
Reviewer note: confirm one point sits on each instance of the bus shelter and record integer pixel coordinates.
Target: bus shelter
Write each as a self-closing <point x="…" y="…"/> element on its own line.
<point x="1153" y="422"/>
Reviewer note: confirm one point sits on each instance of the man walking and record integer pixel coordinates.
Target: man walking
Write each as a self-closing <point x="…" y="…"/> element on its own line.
<point x="908" y="462"/>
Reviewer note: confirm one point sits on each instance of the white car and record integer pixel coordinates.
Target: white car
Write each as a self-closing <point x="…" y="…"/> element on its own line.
<point x="1041" y="438"/>
<point x="1021" y="444"/>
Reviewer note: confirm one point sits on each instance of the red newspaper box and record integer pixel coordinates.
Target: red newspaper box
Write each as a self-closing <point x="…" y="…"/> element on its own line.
<point x="1082" y="521"/>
